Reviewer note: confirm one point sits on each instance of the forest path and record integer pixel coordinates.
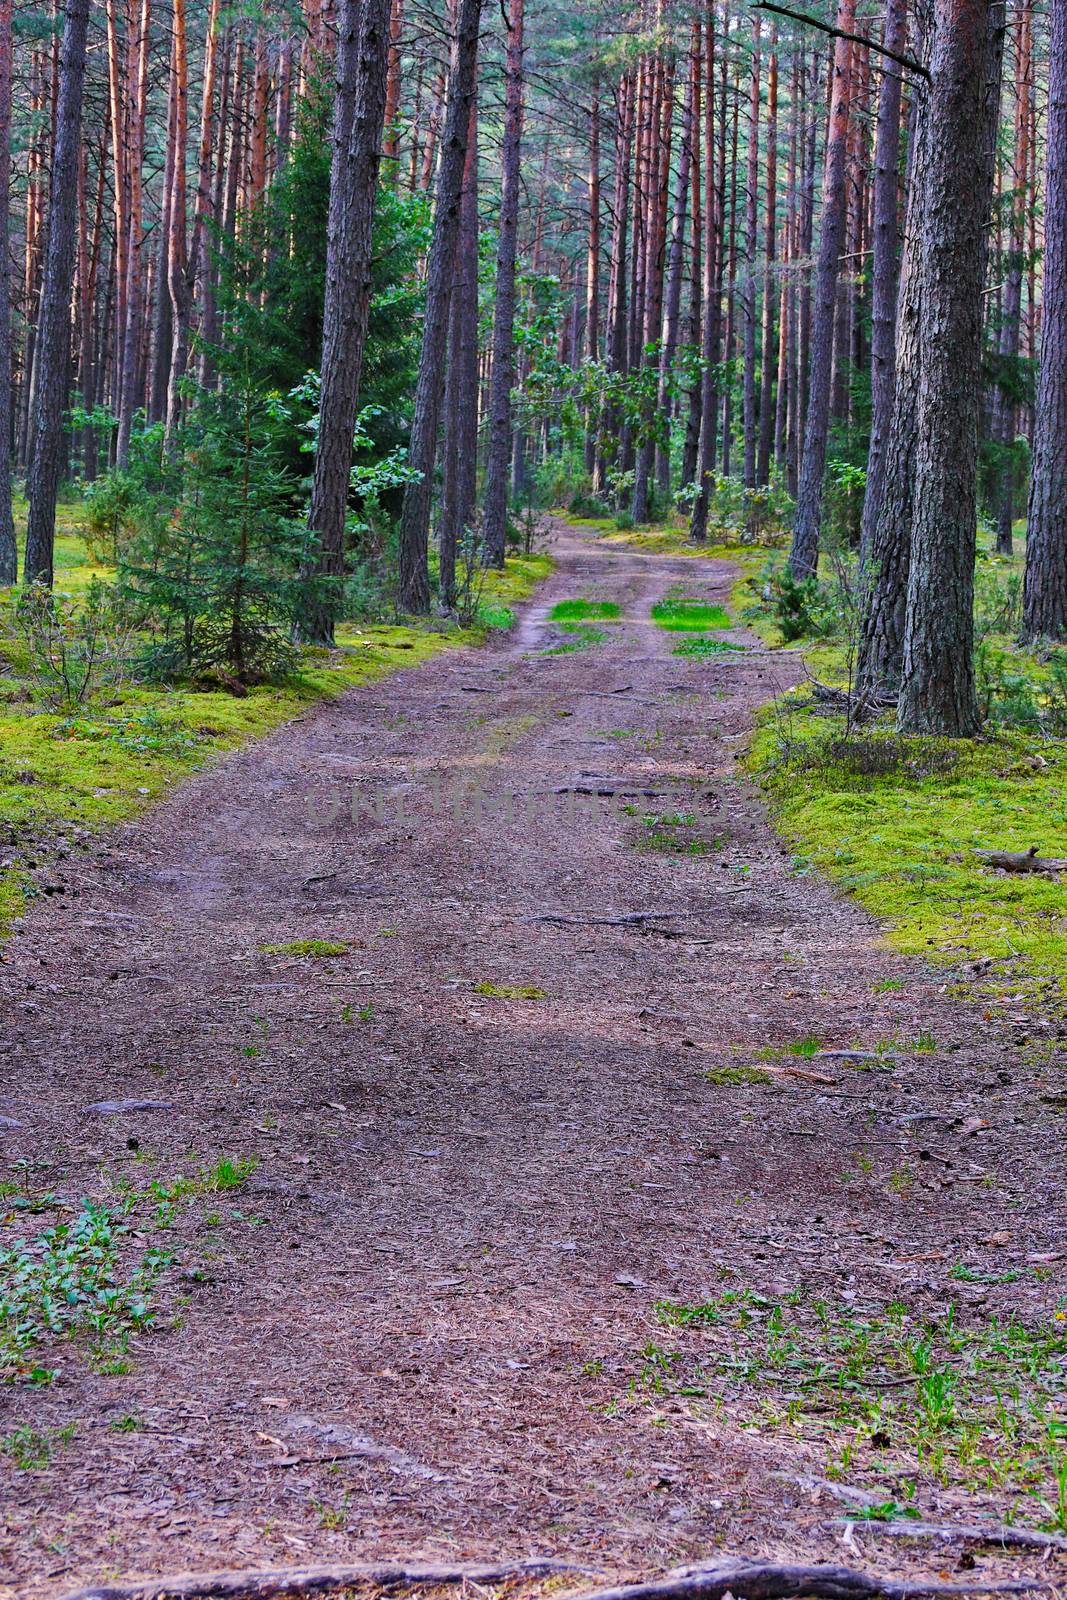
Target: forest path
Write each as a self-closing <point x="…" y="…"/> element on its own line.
<point x="414" y="1329"/>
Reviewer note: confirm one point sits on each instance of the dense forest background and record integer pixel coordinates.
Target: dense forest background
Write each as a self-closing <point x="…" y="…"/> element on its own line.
<point x="316" y="305"/>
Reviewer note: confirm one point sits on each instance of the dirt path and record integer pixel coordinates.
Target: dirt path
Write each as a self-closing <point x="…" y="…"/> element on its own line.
<point x="443" y="1270"/>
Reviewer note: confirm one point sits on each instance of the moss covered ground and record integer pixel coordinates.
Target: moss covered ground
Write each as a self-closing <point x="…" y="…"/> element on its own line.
<point x="63" y="773"/>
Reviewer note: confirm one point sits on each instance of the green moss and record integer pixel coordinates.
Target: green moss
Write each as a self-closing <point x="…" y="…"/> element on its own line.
<point x="319" y="948"/>
<point x="510" y="991"/>
<point x="897" y="822"/>
<point x="737" y="1075"/>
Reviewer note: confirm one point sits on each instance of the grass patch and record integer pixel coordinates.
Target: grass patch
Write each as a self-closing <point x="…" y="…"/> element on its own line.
<point x="897" y="821"/>
<point x="318" y="949"/>
<point x="584" y="611"/>
<point x="689" y="616"/>
<point x="32" y="1451"/>
<point x="510" y="991"/>
<point x="885" y="1392"/>
<point x="702" y="648"/>
<point x="582" y="636"/>
<point x="734" y="1076"/>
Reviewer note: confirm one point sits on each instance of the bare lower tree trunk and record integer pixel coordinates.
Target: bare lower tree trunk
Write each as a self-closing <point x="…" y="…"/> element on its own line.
<point x="415" y="513"/>
<point x="749" y="400"/>
<point x="769" y="352"/>
<point x="53" y="333"/>
<point x="884" y="272"/>
<point x="8" y="554"/>
<point x="495" y="509"/>
<point x="710" y="342"/>
<point x="359" y="114"/>
<point x="461" y="383"/>
<point x="1005" y="406"/>
<point x="881" y="650"/>
<point x="1045" y="599"/>
<point x="804" y="555"/>
<point x="937" y="694"/>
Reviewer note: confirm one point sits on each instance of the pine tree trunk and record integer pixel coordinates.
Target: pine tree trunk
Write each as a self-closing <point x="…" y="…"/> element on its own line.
<point x="749" y="397"/>
<point x="937" y="694"/>
<point x="592" y="270"/>
<point x="881" y="649"/>
<point x="884" y="273"/>
<point x="804" y="555"/>
<point x="53" y="334"/>
<point x="770" y="353"/>
<point x="709" y="348"/>
<point x="495" y="508"/>
<point x="414" y="593"/>
<point x="359" y="112"/>
<point x="461" y="383"/>
<point x="8" y="555"/>
<point x="1045" y="599"/>
<point x="673" y="309"/>
<point x="1004" y="417"/>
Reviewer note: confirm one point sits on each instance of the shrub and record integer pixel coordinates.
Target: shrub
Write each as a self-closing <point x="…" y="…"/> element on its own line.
<point x="73" y="650"/>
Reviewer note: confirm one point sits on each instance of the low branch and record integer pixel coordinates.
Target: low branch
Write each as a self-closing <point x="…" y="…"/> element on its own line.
<point x="769" y="1581"/>
<point x="267" y="1583"/>
<point x="839" y="33"/>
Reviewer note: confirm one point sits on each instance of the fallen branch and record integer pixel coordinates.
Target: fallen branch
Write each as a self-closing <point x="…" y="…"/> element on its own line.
<point x="769" y="1581"/>
<point x="962" y="1533"/>
<point x="631" y="919"/>
<point x="1021" y="860"/>
<point x="265" y="1583"/>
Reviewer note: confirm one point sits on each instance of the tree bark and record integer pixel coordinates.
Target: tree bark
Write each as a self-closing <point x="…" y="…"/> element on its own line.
<point x="1045" y="596"/>
<point x="881" y="649"/>
<point x="8" y="554"/>
<point x="804" y="555"/>
<point x="414" y="591"/>
<point x="461" y="383"/>
<point x="53" y="334"/>
<point x="749" y="399"/>
<point x="495" y="508"/>
<point x="769" y="352"/>
<point x="1005" y="408"/>
<point x="937" y="694"/>
<point x="359" y="114"/>
<point x="885" y="276"/>
<point x="712" y="326"/>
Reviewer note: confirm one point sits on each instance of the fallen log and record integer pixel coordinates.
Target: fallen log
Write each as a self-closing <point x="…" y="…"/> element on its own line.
<point x="1021" y="860"/>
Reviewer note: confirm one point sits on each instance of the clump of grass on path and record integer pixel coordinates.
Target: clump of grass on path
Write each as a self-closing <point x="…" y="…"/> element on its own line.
<point x="689" y="616"/>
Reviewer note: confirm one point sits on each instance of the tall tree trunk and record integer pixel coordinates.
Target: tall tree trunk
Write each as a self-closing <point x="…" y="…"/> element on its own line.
<point x="1005" y="407"/>
<point x="495" y="508"/>
<point x="1045" y="598"/>
<point x="414" y="590"/>
<point x="884" y="272"/>
<point x="177" y="244"/>
<point x="8" y="555"/>
<point x="749" y="396"/>
<point x="881" y="648"/>
<point x="937" y="694"/>
<point x="709" y="347"/>
<point x="804" y="555"/>
<point x="592" y="271"/>
<point x="393" y="81"/>
<point x="359" y="112"/>
<point x="673" y="309"/>
<point x="770" y="353"/>
<point x="461" y="383"/>
<point x="53" y="337"/>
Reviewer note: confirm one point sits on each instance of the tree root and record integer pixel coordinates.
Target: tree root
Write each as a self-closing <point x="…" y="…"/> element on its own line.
<point x="962" y="1533"/>
<point x="743" y="1581"/>
<point x="267" y="1582"/>
<point x="1021" y="861"/>
<point x="759" y="1580"/>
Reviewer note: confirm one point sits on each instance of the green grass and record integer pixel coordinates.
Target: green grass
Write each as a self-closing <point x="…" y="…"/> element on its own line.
<point x="319" y="949"/>
<point x="689" y="616"/>
<point x="735" y="1076"/>
<point x="584" y="611"/>
<point x="897" y="821"/>
<point x="91" y="769"/>
<point x="701" y="648"/>
<point x="884" y="1392"/>
<point x="582" y="636"/>
<point x="510" y="991"/>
